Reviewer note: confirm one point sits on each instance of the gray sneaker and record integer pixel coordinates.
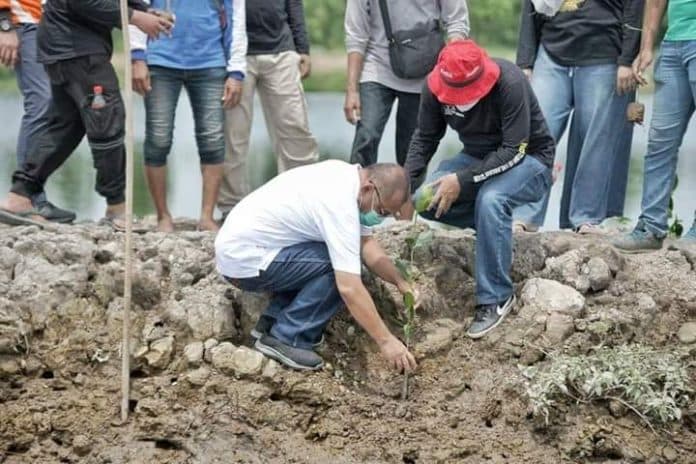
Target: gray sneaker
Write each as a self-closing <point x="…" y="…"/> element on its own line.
<point x="488" y="317"/>
<point x="263" y="327"/>
<point x="638" y="241"/>
<point x="295" y="358"/>
<point x="690" y="237"/>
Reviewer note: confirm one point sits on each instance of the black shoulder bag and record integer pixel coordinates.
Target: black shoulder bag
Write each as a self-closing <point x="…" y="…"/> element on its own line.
<point x="413" y="52"/>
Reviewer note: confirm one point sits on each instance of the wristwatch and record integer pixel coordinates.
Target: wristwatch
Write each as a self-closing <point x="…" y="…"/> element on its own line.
<point x="5" y="25"/>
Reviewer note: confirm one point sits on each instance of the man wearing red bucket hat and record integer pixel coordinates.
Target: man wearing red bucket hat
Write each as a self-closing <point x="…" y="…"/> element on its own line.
<point x="505" y="162"/>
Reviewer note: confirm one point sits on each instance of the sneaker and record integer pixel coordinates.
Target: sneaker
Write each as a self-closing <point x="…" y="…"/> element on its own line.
<point x="689" y="238"/>
<point x="51" y="212"/>
<point x="590" y="229"/>
<point x="294" y="358"/>
<point x="639" y="240"/>
<point x="263" y="327"/>
<point x="488" y="317"/>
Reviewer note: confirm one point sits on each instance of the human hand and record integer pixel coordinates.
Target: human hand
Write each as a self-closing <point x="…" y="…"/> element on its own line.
<point x="351" y="107"/>
<point x="625" y="80"/>
<point x="640" y="64"/>
<point x="233" y="93"/>
<point x="446" y="193"/>
<point x="406" y="288"/>
<point x="397" y="355"/>
<point x="305" y="66"/>
<point x="151" y="24"/>
<point x="141" y="77"/>
<point x="9" y="48"/>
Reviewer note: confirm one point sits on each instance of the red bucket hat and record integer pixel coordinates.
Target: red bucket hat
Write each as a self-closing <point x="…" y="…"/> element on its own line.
<point x="464" y="73"/>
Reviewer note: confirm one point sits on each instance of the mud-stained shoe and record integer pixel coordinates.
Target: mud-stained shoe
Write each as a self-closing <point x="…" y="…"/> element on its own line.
<point x="52" y="213"/>
<point x="638" y="241"/>
<point x="294" y="358"/>
<point x="263" y="327"/>
<point x="488" y="317"/>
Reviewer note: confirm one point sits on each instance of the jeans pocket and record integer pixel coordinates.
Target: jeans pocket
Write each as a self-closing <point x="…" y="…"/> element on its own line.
<point x="106" y="122"/>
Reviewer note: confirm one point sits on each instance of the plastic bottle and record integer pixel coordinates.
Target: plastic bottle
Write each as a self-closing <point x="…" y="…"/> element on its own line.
<point x="423" y="198"/>
<point x="98" y="100"/>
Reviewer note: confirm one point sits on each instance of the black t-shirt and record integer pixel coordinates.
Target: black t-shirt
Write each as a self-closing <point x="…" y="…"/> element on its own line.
<point x="582" y="33"/>
<point x="503" y="127"/>
<point x="275" y="26"/>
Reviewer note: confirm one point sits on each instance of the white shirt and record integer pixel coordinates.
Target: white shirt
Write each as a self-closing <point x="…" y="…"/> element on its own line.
<point x="315" y="203"/>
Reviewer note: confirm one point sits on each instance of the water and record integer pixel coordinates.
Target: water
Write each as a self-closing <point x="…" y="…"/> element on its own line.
<point x="72" y="186"/>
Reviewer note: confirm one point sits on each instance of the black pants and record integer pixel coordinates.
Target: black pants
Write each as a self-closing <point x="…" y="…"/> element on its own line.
<point x="71" y="117"/>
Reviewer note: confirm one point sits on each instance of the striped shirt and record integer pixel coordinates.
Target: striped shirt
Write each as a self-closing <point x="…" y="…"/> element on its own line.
<point x="22" y="11"/>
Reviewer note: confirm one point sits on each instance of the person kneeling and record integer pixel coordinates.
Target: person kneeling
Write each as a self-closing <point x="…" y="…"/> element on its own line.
<point x="506" y="162"/>
<point x="300" y="237"/>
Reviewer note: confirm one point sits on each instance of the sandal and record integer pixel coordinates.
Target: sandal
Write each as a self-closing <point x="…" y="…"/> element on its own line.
<point x="118" y="224"/>
<point x="21" y="218"/>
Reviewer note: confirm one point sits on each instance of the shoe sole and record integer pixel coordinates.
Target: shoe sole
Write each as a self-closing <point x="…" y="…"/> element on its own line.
<point x="507" y="308"/>
<point x="255" y="335"/>
<point x="281" y="358"/>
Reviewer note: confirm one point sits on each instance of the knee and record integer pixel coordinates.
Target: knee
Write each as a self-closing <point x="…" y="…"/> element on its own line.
<point x="491" y="203"/>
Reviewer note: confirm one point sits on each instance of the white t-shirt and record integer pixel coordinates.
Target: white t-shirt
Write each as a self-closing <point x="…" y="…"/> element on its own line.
<point x="315" y="203"/>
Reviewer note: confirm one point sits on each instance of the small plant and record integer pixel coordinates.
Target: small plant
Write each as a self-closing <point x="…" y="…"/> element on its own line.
<point x="653" y="384"/>
<point x="676" y="229"/>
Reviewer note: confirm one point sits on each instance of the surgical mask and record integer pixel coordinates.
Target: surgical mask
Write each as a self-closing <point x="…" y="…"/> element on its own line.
<point x="371" y="218"/>
<point x="467" y="107"/>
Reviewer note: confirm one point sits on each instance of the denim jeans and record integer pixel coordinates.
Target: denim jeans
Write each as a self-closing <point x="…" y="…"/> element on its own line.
<point x="376" y="101"/>
<point x="675" y="92"/>
<point x="35" y="86"/>
<point x="593" y="170"/>
<point x="490" y="213"/>
<point x="205" y="88"/>
<point x="304" y="293"/>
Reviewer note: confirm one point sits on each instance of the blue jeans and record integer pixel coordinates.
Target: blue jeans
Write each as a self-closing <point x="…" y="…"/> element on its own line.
<point x="675" y="92"/>
<point x="490" y="213"/>
<point x="376" y="101"/>
<point x="593" y="169"/>
<point x="304" y="293"/>
<point x="205" y="88"/>
<point x="35" y="86"/>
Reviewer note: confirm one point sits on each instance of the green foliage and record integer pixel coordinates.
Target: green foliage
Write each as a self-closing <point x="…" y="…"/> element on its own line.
<point x="676" y="229"/>
<point x="654" y="384"/>
<point x="493" y="22"/>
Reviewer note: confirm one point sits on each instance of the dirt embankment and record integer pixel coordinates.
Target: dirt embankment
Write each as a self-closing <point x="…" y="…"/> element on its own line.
<point x="200" y="396"/>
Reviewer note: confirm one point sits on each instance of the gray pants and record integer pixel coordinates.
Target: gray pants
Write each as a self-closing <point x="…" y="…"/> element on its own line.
<point x="35" y="86"/>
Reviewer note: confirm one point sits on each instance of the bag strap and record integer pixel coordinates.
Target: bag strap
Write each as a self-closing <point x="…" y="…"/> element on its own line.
<point x="385" y="19"/>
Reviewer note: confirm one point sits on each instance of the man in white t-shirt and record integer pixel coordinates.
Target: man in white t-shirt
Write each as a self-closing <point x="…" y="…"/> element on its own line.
<point x="301" y="237"/>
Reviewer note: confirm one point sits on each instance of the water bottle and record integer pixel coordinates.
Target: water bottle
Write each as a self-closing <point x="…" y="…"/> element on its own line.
<point x="98" y="101"/>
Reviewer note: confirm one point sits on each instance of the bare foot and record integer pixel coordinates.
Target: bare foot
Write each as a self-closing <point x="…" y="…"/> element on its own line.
<point x="15" y="203"/>
<point x="208" y="224"/>
<point x="165" y="224"/>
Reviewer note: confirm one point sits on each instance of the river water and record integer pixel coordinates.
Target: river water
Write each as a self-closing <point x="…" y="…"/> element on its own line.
<point x="73" y="185"/>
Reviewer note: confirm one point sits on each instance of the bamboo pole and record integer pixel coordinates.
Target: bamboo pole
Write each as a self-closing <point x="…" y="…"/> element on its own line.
<point x="127" y="281"/>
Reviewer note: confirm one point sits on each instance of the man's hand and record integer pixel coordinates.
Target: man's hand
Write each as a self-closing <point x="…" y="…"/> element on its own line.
<point x="233" y="93"/>
<point x="351" y="107"/>
<point x="528" y="73"/>
<point x="305" y="66"/>
<point x="446" y="193"/>
<point x="151" y="24"/>
<point x="141" y="77"/>
<point x="640" y="64"/>
<point x="9" y="48"/>
<point x="625" y="82"/>
<point x="397" y="355"/>
<point x="405" y="287"/>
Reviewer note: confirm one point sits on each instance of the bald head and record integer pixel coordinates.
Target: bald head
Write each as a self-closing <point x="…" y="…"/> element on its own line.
<point x="391" y="180"/>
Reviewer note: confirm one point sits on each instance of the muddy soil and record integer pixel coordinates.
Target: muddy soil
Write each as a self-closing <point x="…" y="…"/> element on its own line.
<point x="199" y="396"/>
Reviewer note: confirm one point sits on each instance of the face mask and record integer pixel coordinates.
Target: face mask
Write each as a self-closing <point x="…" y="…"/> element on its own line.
<point x="371" y="218"/>
<point x="467" y="107"/>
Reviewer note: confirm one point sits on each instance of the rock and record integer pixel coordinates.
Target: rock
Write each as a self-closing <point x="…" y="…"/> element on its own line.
<point x="221" y="356"/>
<point x="598" y="273"/>
<point x="160" y="352"/>
<point x="617" y="409"/>
<point x="81" y="445"/>
<point x="439" y="335"/>
<point x="548" y="296"/>
<point x="687" y="333"/>
<point x="8" y="367"/>
<point x="559" y="327"/>
<point x="208" y="346"/>
<point x="193" y="353"/>
<point x="198" y="377"/>
<point x="646" y="304"/>
<point x="566" y="269"/>
<point x="530" y="256"/>
<point x="204" y="311"/>
<point x="271" y="369"/>
<point x="246" y="361"/>
<point x="669" y="453"/>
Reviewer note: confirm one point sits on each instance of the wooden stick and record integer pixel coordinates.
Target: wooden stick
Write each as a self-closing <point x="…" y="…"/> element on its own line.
<point x="127" y="281"/>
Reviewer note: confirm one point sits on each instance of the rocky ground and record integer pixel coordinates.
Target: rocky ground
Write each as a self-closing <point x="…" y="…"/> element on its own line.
<point x="199" y="395"/>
